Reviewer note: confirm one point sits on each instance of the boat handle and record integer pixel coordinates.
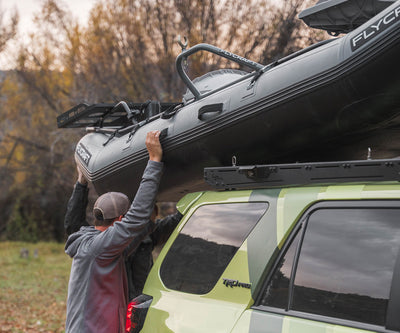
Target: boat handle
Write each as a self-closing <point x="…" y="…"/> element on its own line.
<point x="181" y="58"/>
<point x="163" y="133"/>
<point x="211" y="108"/>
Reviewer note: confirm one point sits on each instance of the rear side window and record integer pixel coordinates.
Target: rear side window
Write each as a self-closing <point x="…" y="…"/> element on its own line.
<point x="206" y="245"/>
<point x="344" y="268"/>
<point x="277" y="292"/>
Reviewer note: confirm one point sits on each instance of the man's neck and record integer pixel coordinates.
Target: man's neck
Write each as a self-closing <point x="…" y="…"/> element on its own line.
<point x="101" y="227"/>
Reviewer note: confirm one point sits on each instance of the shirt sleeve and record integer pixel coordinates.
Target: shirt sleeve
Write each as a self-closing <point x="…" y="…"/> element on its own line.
<point x="135" y="225"/>
<point x="75" y="216"/>
<point x="164" y="228"/>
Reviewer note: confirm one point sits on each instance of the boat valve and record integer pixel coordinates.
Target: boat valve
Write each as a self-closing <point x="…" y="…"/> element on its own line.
<point x="183" y="47"/>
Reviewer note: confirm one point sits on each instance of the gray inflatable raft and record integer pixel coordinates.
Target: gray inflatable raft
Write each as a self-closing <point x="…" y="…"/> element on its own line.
<point x="336" y="87"/>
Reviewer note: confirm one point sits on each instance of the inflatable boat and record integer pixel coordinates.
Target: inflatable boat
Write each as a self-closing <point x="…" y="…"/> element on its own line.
<point x="266" y="114"/>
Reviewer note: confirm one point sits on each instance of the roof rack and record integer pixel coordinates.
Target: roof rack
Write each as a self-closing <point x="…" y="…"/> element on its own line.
<point x="109" y="114"/>
<point x="274" y="175"/>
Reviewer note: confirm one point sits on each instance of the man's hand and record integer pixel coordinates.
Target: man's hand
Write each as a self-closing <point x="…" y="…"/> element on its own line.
<point x="154" y="146"/>
<point x="81" y="178"/>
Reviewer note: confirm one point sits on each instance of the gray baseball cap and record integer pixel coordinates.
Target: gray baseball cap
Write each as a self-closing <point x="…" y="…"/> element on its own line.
<point x="111" y="205"/>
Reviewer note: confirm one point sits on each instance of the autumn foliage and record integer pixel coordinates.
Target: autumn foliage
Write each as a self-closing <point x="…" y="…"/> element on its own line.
<point x="127" y="52"/>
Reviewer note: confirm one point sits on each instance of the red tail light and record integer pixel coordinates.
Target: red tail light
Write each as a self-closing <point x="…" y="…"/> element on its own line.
<point x="136" y="313"/>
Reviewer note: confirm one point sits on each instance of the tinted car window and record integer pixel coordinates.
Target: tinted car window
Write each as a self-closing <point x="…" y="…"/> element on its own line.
<point x="207" y="243"/>
<point x="346" y="263"/>
<point x="277" y="291"/>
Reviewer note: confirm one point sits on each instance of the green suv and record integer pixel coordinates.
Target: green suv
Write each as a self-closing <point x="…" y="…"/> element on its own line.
<point x="305" y="248"/>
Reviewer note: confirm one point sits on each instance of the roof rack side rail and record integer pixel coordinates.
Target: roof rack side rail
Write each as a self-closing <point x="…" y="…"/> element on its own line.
<point x="275" y="175"/>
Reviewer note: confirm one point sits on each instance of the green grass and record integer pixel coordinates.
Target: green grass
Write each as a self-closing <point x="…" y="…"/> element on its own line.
<point x="33" y="290"/>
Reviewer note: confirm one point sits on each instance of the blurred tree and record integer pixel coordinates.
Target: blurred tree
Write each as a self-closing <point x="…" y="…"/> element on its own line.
<point x="126" y="52"/>
<point x="8" y="29"/>
<point x="129" y="48"/>
<point x="32" y="149"/>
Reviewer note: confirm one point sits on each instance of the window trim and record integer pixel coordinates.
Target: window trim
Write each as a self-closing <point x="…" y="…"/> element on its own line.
<point x="392" y="318"/>
<point x="278" y="256"/>
<point x="392" y="315"/>
<point x="293" y="271"/>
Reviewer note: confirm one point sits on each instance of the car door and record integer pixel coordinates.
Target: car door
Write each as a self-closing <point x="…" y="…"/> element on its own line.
<point x="338" y="272"/>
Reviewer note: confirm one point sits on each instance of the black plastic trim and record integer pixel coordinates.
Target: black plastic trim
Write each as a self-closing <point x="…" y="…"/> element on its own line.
<point x="393" y="310"/>
<point x="277" y="258"/>
<point x="303" y="223"/>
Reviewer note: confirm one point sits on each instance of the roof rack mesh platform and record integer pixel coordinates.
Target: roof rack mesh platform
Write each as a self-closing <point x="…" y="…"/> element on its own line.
<point x="275" y="175"/>
<point x="107" y="114"/>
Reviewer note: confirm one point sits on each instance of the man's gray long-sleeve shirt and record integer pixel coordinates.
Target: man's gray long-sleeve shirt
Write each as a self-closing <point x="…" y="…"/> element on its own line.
<point x="97" y="291"/>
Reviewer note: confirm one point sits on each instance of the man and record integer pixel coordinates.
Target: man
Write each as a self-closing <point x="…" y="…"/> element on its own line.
<point x="138" y="263"/>
<point x="97" y="291"/>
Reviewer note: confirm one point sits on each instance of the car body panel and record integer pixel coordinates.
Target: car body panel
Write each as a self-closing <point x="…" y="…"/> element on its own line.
<point x="228" y="309"/>
<point x="254" y="322"/>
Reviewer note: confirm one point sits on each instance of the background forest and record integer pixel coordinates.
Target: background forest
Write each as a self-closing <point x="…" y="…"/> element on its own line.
<point x="126" y="51"/>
